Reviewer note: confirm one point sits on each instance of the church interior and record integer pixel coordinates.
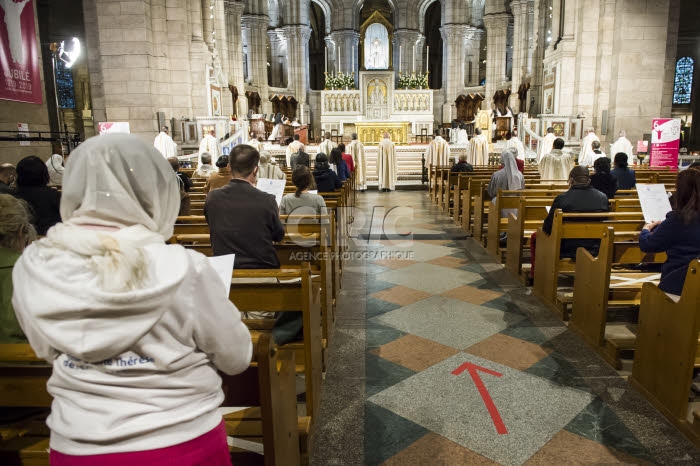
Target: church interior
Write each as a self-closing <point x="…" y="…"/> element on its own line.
<point x="374" y="181"/>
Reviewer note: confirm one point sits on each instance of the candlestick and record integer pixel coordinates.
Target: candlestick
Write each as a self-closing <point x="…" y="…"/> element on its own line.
<point x="413" y="62"/>
<point x="427" y="59"/>
<point x="353" y="59"/>
<point x="339" y="70"/>
<point x="400" y="58"/>
<point x="326" y="60"/>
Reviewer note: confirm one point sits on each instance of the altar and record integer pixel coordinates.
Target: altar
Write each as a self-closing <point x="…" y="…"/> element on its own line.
<point x="371" y="132"/>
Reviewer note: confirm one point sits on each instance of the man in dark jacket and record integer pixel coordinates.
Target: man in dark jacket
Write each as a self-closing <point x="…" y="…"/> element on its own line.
<point x="300" y="158"/>
<point x="242" y="219"/>
<point x="462" y="165"/>
<point x="8" y="175"/>
<point x="581" y="197"/>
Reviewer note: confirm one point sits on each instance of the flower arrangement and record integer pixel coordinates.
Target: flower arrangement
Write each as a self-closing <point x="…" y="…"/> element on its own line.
<point x="413" y="81"/>
<point x="340" y="81"/>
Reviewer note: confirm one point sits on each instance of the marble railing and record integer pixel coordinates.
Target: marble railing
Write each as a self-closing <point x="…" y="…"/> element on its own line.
<point x="413" y="101"/>
<point x="341" y="102"/>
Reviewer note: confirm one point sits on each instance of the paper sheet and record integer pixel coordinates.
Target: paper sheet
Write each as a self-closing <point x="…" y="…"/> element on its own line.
<point x="223" y="265"/>
<point x="548" y="207"/>
<point x="313" y="191"/>
<point x="654" y="201"/>
<point x="274" y="187"/>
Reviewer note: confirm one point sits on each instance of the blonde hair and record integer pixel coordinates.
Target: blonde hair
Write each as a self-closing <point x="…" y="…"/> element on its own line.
<point x="16" y="230"/>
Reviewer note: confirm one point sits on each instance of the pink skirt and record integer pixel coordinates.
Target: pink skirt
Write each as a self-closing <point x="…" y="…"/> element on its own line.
<point x="207" y="449"/>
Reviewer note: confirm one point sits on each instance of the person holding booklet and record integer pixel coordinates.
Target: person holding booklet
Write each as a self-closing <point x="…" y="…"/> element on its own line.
<point x="303" y="201"/>
<point x="110" y="306"/>
<point x="678" y="234"/>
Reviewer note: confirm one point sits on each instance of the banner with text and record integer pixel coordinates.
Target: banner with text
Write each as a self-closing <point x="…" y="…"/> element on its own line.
<point x="19" y="52"/>
<point x="665" y="142"/>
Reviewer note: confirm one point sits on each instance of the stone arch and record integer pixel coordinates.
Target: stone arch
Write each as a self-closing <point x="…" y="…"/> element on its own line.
<point x="357" y="6"/>
<point x="327" y="8"/>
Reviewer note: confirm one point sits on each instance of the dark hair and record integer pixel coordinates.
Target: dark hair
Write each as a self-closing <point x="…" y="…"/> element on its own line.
<point x="206" y="156"/>
<point x="302" y="179"/>
<point x="509" y="135"/>
<point x="477" y="130"/>
<point x="694" y="165"/>
<point x="31" y="171"/>
<point x="321" y="162"/>
<point x="296" y="137"/>
<point x="602" y="165"/>
<point x="550" y="130"/>
<point x="595" y="145"/>
<point x="558" y="143"/>
<point x="341" y="147"/>
<point x="688" y="195"/>
<point x="621" y="160"/>
<point x="222" y="161"/>
<point x="243" y="160"/>
<point x="175" y="163"/>
<point x="436" y="132"/>
<point x="580" y="175"/>
<point x="336" y="156"/>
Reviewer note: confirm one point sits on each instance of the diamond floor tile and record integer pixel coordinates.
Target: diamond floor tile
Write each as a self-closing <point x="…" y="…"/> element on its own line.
<point x="401" y="295"/>
<point x="436" y="450"/>
<point x="509" y="351"/>
<point x="472" y="294"/>
<point x="414" y="352"/>
<point x="429" y="278"/>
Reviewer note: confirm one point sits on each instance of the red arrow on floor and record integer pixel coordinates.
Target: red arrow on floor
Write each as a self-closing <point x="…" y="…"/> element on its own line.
<point x="488" y="401"/>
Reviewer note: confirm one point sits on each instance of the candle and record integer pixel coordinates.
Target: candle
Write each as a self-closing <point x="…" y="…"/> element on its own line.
<point x="413" y="61"/>
<point x="427" y="59"/>
<point x="353" y="59"/>
<point x="339" y="70"/>
<point x="400" y="59"/>
<point x="326" y="60"/>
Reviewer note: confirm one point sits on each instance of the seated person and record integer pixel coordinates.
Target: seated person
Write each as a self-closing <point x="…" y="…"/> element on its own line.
<point x="185" y="201"/>
<point x="16" y="232"/>
<point x="602" y="180"/>
<point x="185" y="181"/>
<point x="268" y="167"/>
<point x="341" y="168"/>
<point x="625" y="176"/>
<point x="556" y="165"/>
<point x="32" y="187"/>
<point x="508" y="177"/>
<point x="326" y="179"/>
<point x="581" y="197"/>
<point x="55" y="167"/>
<point x="462" y="165"/>
<point x="300" y="158"/>
<point x="678" y="234"/>
<point x="8" y="175"/>
<point x="206" y="169"/>
<point x="302" y="198"/>
<point x="220" y="178"/>
<point x="347" y="157"/>
<point x="242" y="219"/>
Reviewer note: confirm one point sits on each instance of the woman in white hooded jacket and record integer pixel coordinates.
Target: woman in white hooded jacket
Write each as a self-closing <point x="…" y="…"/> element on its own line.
<point x="135" y="329"/>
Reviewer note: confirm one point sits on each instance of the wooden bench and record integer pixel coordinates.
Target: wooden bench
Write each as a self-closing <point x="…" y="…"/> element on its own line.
<point x="667" y="350"/>
<point x="531" y="213"/>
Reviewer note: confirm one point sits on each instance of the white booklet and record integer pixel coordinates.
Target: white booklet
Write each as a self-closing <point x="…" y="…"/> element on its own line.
<point x="654" y="201"/>
<point x="274" y="187"/>
<point x="223" y="265"/>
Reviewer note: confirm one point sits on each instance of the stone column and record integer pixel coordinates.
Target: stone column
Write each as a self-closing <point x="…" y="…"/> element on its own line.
<point x="343" y="43"/>
<point x="234" y="9"/>
<point x="519" y="9"/>
<point x="207" y="22"/>
<point x="275" y="66"/>
<point x="298" y="41"/>
<point x="406" y="44"/>
<point x="255" y="27"/>
<point x="473" y="44"/>
<point x="496" y="33"/>
<point x="453" y="38"/>
<point x="330" y="51"/>
<point x="421" y="53"/>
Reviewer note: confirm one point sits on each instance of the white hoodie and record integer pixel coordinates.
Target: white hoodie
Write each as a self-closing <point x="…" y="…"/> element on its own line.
<point x="131" y="371"/>
<point x="135" y="329"/>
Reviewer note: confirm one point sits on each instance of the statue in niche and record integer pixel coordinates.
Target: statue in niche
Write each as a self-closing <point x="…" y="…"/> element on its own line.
<point x="356" y="103"/>
<point x="376" y="92"/>
<point x="396" y="103"/>
<point x="376" y="47"/>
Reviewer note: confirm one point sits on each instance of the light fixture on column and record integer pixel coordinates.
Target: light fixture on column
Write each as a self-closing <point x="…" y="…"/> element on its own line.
<point x="59" y="52"/>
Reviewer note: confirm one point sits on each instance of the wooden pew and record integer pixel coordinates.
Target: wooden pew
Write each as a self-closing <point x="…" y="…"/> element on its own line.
<point x="531" y="213"/>
<point x="667" y="350"/>
<point x="598" y="288"/>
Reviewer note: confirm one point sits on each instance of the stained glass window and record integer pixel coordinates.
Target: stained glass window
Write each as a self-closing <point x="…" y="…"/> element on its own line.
<point x="64" y="84"/>
<point x="683" y="84"/>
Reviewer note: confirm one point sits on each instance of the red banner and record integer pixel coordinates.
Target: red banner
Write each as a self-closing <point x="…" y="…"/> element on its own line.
<point x="19" y="52"/>
<point x="665" y="142"/>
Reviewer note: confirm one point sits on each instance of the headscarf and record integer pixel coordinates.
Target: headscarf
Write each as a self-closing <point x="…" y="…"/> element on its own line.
<point x="513" y="176"/>
<point x="116" y="181"/>
<point x="321" y="163"/>
<point x="55" y="167"/>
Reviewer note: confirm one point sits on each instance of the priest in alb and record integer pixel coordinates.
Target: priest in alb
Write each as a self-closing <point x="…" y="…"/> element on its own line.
<point x="621" y="145"/>
<point x="326" y="145"/>
<point x="546" y="144"/>
<point x="357" y="150"/>
<point x="478" y="149"/>
<point x="210" y="144"/>
<point x="586" y="156"/>
<point x="556" y="165"/>
<point x="438" y="152"/>
<point x="386" y="164"/>
<point x="293" y="148"/>
<point x="256" y="143"/>
<point x="516" y="144"/>
<point x="165" y="144"/>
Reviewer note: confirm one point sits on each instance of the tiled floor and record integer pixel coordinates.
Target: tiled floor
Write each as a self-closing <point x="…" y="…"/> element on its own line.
<point x="441" y="358"/>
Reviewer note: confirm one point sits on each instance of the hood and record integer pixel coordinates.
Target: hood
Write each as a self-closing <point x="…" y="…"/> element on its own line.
<point x="56" y="292"/>
<point x="322" y="174"/>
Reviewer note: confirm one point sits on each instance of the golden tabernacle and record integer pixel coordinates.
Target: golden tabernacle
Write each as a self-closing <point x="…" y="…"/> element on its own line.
<point x="372" y="133"/>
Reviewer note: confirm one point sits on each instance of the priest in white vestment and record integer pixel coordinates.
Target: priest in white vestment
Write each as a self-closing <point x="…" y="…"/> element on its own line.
<point x="621" y="145"/>
<point x="462" y="136"/>
<point x="292" y="149"/>
<point x="165" y="144"/>
<point x="438" y="152"/>
<point x="546" y="144"/>
<point x="256" y="143"/>
<point x="585" y="156"/>
<point x="210" y="144"/>
<point x="326" y="144"/>
<point x="478" y="149"/>
<point x="267" y="167"/>
<point x="516" y="144"/>
<point x="386" y="164"/>
<point x="556" y="165"/>
<point x="357" y="150"/>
